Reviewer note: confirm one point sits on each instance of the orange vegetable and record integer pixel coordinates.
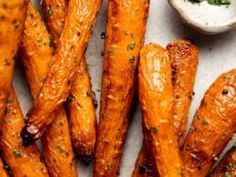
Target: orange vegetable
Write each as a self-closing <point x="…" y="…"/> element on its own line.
<point x="81" y="111"/>
<point x="184" y="58"/>
<point x="72" y="44"/>
<point x="156" y="98"/>
<point x="55" y="12"/>
<point x="13" y="15"/>
<point x="37" y="57"/>
<point x="213" y="126"/>
<point x="20" y="159"/>
<point x="227" y="167"/>
<point x="82" y="115"/>
<point x="125" y="29"/>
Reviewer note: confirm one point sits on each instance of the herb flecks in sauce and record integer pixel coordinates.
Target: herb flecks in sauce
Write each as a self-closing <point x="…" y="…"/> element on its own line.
<point x="214" y="2"/>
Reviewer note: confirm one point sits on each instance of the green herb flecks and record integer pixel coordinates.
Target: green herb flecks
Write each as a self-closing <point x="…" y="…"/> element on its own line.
<point x="214" y="2"/>
<point x="17" y="154"/>
<point x="59" y="148"/>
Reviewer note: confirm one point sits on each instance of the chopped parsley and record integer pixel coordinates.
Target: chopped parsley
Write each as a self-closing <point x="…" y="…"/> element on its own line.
<point x="153" y="130"/>
<point x="17" y="154"/>
<point x="214" y="2"/>
<point x="59" y="148"/>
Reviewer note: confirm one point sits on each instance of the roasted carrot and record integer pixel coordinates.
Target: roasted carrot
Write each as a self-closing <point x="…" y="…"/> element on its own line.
<point x="3" y="173"/>
<point x="55" y="12"/>
<point x="125" y="29"/>
<point x="213" y="126"/>
<point x="82" y="118"/>
<point x="227" y="167"/>
<point x="72" y="44"/>
<point x="37" y="57"/>
<point x="156" y="99"/>
<point x="12" y="16"/>
<point x="184" y="59"/>
<point x="23" y="161"/>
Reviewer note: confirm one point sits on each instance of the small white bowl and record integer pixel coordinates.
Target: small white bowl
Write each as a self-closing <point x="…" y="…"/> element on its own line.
<point x="206" y="18"/>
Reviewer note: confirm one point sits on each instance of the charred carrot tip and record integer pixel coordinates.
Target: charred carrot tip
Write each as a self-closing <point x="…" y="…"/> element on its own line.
<point x="86" y="159"/>
<point x="27" y="137"/>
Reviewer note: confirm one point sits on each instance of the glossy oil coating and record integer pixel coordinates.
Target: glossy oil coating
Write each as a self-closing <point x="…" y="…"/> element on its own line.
<point x="80" y="105"/>
<point x="82" y="115"/>
<point x="37" y="57"/>
<point x="184" y="59"/>
<point x="125" y="29"/>
<point x="3" y="172"/>
<point x="156" y="98"/>
<point x="23" y="161"/>
<point x="55" y="12"/>
<point x="227" y="167"/>
<point x="213" y="126"/>
<point x="12" y="17"/>
<point x="72" y="44"/>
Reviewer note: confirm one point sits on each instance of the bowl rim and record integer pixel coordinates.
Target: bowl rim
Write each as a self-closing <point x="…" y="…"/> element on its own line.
<point x="203" y="28"/>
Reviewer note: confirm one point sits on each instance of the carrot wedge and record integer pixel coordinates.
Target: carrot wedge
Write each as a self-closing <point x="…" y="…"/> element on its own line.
<point x="125" y="30"/>
<point x="36" y="58"/>
<point x="13" y="15"/>
<point x="156" y="98"/>
<point x="20" y="159"/>
<point x="55" y="13"/>
<point x="213" y="126"/>
<point x="72" y="44"/>
<point x="81" y="110"/>
<point x="227" y="167"/>
<point x="184" y="59"/>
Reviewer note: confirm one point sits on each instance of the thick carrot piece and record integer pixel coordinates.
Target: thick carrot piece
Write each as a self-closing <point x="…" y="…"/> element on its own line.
<point x="20" y="159"/>
<point x="80" y="105"/>
<point x="156" y="98"/>
<point x="55" y="13"/>
<point x="13" y="15"/>
<point x="227" y="167"/>
<point x="3" y="172"/>
<point x="125" y="29"/>
<point x="72" y="44"/>
<point x="37" y="57"/>
<point x="184" y="59"/>
<point x="82" y="115"/>
<point x="213" y="126"/>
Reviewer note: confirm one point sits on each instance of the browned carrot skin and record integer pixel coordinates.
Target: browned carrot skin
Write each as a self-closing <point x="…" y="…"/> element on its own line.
<point x="125" y="29"/>
<point x="82" y="116"/>
<point x="72" y="44"/>
<point x="57" y="146"/>
<point x="12" y="15"/>
<point x="156" y="99"/>
<point x="184" y="58"/>
<point x="55" y="13"/>
<point x="81" y="109"/>
<point x="23" y="161"/>
<point x="227" y="167"/>
<point x="213" y="126"/>
<point x="3" y="172"/>
<point x="144" y="163"/>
